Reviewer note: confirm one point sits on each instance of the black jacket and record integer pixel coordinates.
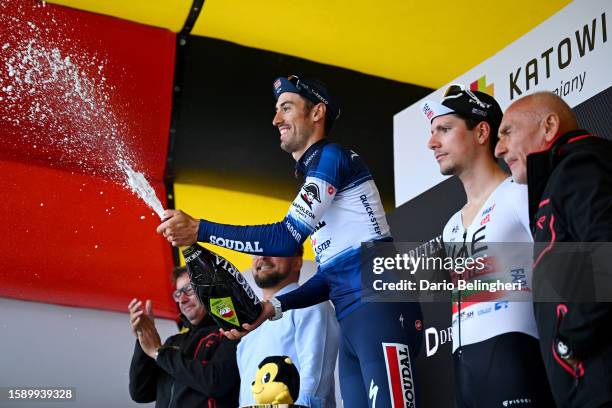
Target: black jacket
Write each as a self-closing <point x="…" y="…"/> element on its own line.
<point x="202" y="372"/>
<point x="570" y="200"/>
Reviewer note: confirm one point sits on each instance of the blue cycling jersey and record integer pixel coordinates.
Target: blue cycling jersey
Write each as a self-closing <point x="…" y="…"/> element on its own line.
<point x="339" y="207"/>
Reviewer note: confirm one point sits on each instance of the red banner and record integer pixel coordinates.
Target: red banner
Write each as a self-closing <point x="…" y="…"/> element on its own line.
<point x="79" y="92"/>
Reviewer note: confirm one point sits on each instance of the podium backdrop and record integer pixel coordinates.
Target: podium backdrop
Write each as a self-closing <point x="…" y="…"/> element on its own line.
<point x="568" y="54"/>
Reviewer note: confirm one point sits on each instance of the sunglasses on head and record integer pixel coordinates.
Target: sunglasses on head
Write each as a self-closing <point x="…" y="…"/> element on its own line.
<point x="302" y="86"/>
<point x="295" y="80"/>
<point x="454" y="90"/>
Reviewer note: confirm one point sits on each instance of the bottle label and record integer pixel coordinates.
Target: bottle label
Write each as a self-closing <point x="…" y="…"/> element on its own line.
<point x="224" y="309"/>
<point x="236" y="274"/>
<point x="192" y="256"/>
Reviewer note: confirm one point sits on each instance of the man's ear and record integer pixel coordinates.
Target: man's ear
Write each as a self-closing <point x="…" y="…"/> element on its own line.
<point x="318" y="112"/>
<point x="551" y="124"/>
<point x="483" y="130"/>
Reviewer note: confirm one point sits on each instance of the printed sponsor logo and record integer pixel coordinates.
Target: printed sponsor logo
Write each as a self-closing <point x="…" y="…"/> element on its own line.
<point x="322" y="247"/>
<point x="427" y="248"/>
<point x="479" y="112"/>
<point x="486" y="219"/>
<point x="309" y="158"/>
<point x="239" y="278"/>
<point x="474" y="99"/>
<point x="517" y="402"/>
<point x="193" y="256"/>
<point x="320" y="225"/>
<point x="427" y="111"/>
<point x="294" y="232"/>
<point x="484" y="311"/>
<point x="310" y="194"/>
<point x="476" y="245"/>
<point x="303" y="211"/>
<point x="226" y="312"/>
<point x="224" y="309"/>
<point x="318" y="95"/>
<point x="314" y="92"/>
<point x="463" y="316"/>
<point x="399" y="374"/>
<point x="488" y="210"/>
<point x="562" y="348"/>
<point x="418" y="325"/>
<point x="434" y="338"/>
<point x="519" y="275"/>
<point x="501" y="305"/>
<point x="455" y="229"/>
<point x="468" y="315"/>
<point x="370" y="211"/>
<point x="247" y="246"/>
<point x="373" y="393"/>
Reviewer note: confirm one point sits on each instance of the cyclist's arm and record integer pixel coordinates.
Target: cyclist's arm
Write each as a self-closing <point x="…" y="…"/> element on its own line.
<point x="281" y="238"/>
<point x="313" y="292"/>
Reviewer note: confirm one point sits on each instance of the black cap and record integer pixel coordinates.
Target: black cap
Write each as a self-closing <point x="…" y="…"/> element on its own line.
<point x="466" y="103"/>
<point x="311" y="89"/>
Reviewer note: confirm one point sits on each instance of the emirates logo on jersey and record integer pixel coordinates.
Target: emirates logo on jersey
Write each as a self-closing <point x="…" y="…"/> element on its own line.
<point x="310" y="194"/>
<point x="488" y="210"/>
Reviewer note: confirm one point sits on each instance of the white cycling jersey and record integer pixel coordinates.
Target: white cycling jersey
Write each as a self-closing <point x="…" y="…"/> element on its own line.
<point x="504" y="218"/>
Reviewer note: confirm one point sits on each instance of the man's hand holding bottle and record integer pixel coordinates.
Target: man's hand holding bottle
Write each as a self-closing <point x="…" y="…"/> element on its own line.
<point x="179" y="228"/>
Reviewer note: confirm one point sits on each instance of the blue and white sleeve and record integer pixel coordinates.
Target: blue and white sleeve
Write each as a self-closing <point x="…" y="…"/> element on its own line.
<point x="281" y="238"/>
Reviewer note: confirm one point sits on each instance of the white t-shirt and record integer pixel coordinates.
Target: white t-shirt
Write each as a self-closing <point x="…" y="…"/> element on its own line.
<point x="310" y="337"/>
<point x="504" y="217"/>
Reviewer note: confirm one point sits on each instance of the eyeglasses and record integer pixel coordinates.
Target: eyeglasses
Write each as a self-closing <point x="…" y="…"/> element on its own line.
<point x="187" y="290"/>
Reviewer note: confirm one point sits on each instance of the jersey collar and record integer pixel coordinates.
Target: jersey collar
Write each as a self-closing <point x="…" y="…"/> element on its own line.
<point x="304" y="162"/>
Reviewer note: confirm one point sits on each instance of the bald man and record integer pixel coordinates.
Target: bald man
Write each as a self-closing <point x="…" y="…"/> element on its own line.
<point x="569" y="175"/>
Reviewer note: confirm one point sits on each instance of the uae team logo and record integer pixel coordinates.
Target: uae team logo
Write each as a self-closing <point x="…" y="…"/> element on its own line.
<point x="310" y="194"/>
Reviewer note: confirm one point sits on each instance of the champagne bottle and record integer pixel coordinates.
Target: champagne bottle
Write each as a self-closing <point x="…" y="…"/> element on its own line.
<point x="221" y="288"/>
